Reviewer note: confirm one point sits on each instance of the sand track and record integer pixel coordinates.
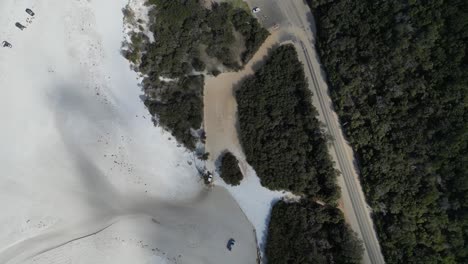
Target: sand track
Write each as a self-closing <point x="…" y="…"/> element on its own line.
<point x="220" y="113"/>
<point x="220" y="123"/>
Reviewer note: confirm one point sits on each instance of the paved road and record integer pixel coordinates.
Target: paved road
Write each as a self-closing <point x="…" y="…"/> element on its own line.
<point x="297" y="25"/>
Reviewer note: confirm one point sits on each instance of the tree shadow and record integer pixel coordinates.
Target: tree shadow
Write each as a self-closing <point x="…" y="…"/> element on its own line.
<point x="73" y="114"/>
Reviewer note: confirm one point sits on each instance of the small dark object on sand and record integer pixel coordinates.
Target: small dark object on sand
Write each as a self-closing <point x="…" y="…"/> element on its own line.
<point x="6" y="44"/>
<point x="18" y="25"/>
<point x="30" y="12"/>
<point x="230" y="243"/>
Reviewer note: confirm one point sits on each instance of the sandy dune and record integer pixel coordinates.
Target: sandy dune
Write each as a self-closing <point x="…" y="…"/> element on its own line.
<point x="84" y="171"/>
<point x="183" y="232"/>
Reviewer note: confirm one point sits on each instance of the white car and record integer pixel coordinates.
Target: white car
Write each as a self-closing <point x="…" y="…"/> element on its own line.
<point x="255" y="10"/>
<point x="6" y="44"/>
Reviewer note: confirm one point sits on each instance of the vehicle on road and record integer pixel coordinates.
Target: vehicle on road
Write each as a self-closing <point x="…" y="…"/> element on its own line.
<point x="255" y="10"/>
<point x="18" y="25"/>
<point x="6" y="44"/>
<point x="30" y="12"/>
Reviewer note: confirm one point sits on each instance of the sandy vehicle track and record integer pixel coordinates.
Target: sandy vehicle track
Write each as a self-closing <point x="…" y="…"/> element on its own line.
<point x="220" y="122"/>
<point x="296" y="25"/>
<point x="220" y="114"/>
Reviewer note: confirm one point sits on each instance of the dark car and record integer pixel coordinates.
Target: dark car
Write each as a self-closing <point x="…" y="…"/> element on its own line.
<point x="18" y="25"/>
<point x="29" y="11"/>
<point x="230" y="243"/>
<point x="6" y="44"/>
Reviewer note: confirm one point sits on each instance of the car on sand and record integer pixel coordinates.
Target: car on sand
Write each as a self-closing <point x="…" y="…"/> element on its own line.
<point x="6" y="44"/>
<point x="18" y="25"/>
<point x="256" y="10"/>
<point x="230" y="244"/>
<point x="29" y="11"/>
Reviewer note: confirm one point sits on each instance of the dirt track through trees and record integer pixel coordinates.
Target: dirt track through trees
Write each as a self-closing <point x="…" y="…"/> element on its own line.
<point x="220" y="104"/>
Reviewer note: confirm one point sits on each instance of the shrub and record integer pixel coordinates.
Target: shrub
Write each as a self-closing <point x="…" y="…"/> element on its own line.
<point x="230" y="171"/>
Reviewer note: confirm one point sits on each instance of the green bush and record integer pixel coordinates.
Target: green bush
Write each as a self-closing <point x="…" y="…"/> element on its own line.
<point x="198" y="64"/>
<point x="230" y="171"/>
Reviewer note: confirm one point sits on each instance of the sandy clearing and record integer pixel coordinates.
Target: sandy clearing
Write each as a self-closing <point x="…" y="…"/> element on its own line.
<point x="220" y="123"/>
<point x="220" y="120"/>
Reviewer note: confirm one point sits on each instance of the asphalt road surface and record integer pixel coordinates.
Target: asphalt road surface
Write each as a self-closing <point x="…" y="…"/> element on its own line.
<point x="296" y="25"/>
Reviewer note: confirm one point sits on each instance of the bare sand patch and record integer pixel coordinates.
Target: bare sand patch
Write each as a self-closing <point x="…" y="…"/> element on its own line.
<point x="220" y="113"/>
<point x="221" y="128"/>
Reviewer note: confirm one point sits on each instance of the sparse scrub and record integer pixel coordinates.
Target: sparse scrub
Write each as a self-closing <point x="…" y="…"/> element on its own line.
<point x="129" y="15"/>
<point x="135" y="47"/>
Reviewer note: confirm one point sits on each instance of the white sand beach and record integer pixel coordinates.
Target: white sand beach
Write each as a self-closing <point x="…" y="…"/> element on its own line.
<point x="86" y="177"/>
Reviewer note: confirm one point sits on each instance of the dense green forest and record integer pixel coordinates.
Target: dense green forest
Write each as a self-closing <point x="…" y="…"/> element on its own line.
<point x="399" y="80"/>
<point x="230" y="171"/>
<point x="306" y="232"/>
<point x="284" y="143"/>
<point x="279" y="131"/>
<point x="191" y="40"/>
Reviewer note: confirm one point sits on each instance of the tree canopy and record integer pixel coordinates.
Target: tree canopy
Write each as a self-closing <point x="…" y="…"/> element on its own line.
<point x="230" y="171"/>
<point x="399" y="80"/>
<point x="307" y="232"/>
<point x="279" y="131"/>
<point x="190" y="41"/>
<point x="284" y="143"/>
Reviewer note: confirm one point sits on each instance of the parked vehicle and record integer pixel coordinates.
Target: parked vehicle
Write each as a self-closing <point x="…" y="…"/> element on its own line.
<point x="30" y="12"/>
<point x="255" y="10"/>
<point x="230" y="243"/>
<point x="6" y="44"/>
<point x="18" y="25"/>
